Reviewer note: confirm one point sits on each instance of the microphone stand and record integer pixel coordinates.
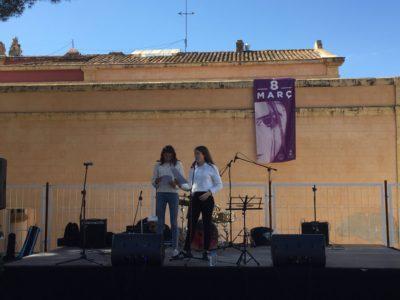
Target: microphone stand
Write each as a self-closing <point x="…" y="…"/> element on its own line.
<point x="314" y="189"/>
<point x="139" y="208"/>
<point x="228" y="167"/>
<point x="82" y="220"/>
<point x="140" y="212"/>
<point x="183" y="255"/>
<point x="269" y="185"/>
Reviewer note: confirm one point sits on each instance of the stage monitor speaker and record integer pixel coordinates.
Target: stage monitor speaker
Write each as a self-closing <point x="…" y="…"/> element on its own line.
<point x="96" y="231"/>
<point x="3" y="177"/>
<point x="316" y="228"/>
<point x="298" y="249"/>
<point x="137" y="249"/>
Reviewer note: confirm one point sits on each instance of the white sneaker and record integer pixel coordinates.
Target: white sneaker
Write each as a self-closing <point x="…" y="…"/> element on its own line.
<point x="175" y="253"/>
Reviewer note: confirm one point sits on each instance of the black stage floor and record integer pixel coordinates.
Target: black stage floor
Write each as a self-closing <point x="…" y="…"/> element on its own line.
<point x="343" y="256"/>
<point x="351" y="272"/>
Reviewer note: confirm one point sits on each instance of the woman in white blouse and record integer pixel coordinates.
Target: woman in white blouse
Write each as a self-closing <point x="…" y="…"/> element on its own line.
<point x="205" y="181"/>
<point x="167" y="191"/>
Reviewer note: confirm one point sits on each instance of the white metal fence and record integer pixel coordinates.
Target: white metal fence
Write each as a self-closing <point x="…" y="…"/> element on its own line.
<point x="393" y="194"/>
<point x="355" y="211"/>
<point x="25" y="207"/>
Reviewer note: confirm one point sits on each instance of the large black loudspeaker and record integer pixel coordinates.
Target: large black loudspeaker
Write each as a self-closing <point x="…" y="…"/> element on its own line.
<point x="298" y="249"/>
<point x="3" y="177"/>
<point x="137" y="249"/>
<point x="316" y="227"/>
<point x="96" y="230"/>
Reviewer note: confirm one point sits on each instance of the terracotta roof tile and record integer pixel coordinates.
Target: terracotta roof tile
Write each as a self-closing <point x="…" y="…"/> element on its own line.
<point x="179" y="58"/>
<point x="45" y="60"/>
<point x="209" y="57"/>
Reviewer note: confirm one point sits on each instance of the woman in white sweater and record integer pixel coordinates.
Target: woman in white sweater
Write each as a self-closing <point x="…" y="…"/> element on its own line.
<point x="167" y="191"/>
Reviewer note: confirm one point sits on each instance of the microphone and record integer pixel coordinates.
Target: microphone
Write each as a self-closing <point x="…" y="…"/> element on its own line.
<point x="193" y="164"/>
<point x="140" y="195"/>
<point x="236" y="157"/>
<point x="88" y="163"/>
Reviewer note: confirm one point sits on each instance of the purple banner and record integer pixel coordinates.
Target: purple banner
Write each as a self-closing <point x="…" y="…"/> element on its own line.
<point x="275" y="116"/>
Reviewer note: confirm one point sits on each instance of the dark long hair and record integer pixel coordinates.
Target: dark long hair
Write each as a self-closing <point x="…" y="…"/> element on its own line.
<point x="168" y="149"/>
<point x="207" y="155"/>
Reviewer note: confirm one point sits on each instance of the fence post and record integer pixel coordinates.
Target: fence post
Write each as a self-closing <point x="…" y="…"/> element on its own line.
<point x="387" y="215"/>
<point x="46" y="217"/>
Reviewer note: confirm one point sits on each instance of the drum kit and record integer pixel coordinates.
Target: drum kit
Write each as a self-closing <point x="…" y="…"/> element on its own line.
<point x="220" y="223"/>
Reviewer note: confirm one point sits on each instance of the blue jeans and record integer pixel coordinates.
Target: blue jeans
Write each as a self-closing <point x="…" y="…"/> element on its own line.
<point x="162" y="198"/>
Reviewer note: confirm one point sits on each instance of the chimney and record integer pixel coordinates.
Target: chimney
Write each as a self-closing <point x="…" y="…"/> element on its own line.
<point x="15" y="48"/>
<point x="318" y="45"/>
<point x="239" y="46"/>
<point x="2" y="49"/>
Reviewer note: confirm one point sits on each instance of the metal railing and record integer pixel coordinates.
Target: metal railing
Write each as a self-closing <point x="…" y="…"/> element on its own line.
<point x="25" y="207"/>
<point x="355" y="211"/>
<point x="393" y="200"/>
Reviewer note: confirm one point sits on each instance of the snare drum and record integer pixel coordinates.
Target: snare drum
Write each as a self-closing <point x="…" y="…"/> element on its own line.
<point x="222" y="217"/>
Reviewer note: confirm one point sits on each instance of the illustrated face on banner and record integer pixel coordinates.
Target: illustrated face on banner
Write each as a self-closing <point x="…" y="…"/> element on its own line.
<point x="274" y="110"/>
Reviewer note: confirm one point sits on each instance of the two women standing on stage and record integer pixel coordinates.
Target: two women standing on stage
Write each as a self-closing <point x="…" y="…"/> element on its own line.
<point x="203" y="182"/>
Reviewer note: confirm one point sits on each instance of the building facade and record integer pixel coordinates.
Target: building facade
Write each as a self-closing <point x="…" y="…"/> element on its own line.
<point x="119" y="110"/>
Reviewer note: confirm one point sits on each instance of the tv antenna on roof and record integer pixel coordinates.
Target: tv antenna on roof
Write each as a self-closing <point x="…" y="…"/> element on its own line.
<point x="186" y="13"/>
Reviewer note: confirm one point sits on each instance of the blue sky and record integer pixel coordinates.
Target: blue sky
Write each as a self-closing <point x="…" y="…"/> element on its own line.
<point x="366" y="32"/>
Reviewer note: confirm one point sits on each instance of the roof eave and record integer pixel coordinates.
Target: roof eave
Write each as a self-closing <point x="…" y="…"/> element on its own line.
<point x="215" y="84"/>
<point x="85" y="66"/>
<point x="337" y="60"/>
